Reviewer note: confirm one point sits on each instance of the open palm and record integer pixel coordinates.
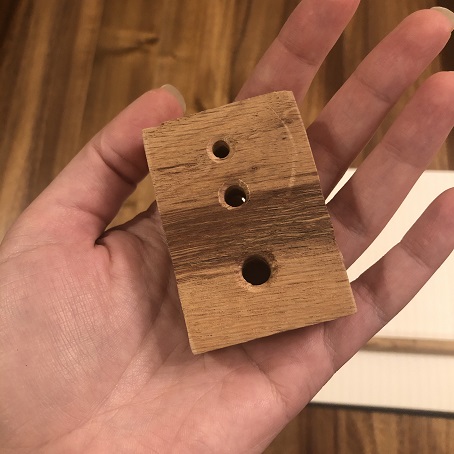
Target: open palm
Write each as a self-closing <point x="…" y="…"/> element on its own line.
<point x="93" y="346"/>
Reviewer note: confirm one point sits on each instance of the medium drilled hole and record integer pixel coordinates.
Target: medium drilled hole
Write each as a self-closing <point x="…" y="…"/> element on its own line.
<point x="256" y="270"/>
<point x="235" y="196"/>
<point x="221" y="149"/>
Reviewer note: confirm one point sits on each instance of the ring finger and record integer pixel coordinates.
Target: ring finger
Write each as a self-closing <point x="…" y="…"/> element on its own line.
<point x="353" y="115"/>
<point x="362" y="208"/>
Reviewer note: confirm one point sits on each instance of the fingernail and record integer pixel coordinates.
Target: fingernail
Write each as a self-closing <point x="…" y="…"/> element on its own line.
<point x="175" y="92"/>
<point x="446" y="12"/>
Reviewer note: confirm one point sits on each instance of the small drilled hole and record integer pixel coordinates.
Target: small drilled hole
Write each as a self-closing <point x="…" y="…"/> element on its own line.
<point x="256" y="270"/>
<point x="235" y="196"/>
<point x="221" y="149"/>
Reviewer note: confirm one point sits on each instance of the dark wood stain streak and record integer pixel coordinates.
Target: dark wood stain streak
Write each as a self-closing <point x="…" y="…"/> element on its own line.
<point x="56" y="75"/>
<point x="201" y="238"/>
<point x="8" y="11"/>
<point x="17" y="16"/>
<point x="175" y="167"/>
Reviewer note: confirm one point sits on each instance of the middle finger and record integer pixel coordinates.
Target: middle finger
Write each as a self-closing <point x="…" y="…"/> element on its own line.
<point x="353" y="115"/>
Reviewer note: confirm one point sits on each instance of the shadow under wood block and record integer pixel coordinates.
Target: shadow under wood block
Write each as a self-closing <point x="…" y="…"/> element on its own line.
<point x="247" y="227"/>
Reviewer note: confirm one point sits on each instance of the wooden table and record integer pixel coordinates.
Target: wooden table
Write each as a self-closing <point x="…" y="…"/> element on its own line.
<point x="67" y="67"/>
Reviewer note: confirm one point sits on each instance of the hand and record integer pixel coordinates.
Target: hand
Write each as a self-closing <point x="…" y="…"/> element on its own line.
<point x="93" y="346"/>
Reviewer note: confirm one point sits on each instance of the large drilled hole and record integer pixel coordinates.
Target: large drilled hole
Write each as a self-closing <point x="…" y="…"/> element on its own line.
<point x="256" y="270"/>
<point x="221" y="149"/>
<point x="235" y="196"/>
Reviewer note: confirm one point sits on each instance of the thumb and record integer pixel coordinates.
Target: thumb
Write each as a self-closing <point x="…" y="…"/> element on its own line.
<point x="88" y="193"/>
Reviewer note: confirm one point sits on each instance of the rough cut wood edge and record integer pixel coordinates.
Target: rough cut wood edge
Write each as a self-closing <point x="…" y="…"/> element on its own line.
<point x="285" y="221"/>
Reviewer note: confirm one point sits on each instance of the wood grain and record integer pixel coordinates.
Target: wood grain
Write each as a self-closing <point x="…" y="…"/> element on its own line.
<point x="284" y="220"/>
<point x="333" y="430"/>
<point x="417" y="346"/>
<point x="99" y="44"/>
<point x="41" y="112"/>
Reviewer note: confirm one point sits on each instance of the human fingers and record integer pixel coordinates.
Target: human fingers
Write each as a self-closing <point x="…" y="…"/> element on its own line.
<point x="385" y="288"/>
<point x="362" y="208"/>
<point x="353" y="115"/>
<point x="87" y="194"/>
<point x="295" y="56"/>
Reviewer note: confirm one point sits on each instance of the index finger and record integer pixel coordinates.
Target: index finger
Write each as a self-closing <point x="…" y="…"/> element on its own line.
<point x="299" y="50"/>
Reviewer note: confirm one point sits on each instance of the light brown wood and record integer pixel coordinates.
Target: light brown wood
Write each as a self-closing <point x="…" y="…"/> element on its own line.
<point x="336" y="430"/>
<point x="281" y="222"/>
<point x="402" y="345"/>
<point x="111" y="73"/>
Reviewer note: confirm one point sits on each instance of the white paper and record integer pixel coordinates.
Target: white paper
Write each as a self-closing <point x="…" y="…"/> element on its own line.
<point x="398" y="380"/>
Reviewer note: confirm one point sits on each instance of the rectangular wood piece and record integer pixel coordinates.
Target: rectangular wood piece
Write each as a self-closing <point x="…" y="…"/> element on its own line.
<point x="249" y="234"/>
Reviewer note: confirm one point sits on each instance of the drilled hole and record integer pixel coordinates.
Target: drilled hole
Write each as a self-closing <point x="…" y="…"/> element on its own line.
<point x="235" y="196"/>
<point x="256" y="270"/>
<point x="221" y="149"/>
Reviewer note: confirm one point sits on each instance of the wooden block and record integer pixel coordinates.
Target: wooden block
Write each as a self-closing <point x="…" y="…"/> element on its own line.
<point x="247" y="227"/>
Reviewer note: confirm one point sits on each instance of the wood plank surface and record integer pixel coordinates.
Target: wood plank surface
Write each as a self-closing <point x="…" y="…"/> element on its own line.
<point x="67" y="67"/>
<point x="331" y="430"/>
<point x="417" y="346"/>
